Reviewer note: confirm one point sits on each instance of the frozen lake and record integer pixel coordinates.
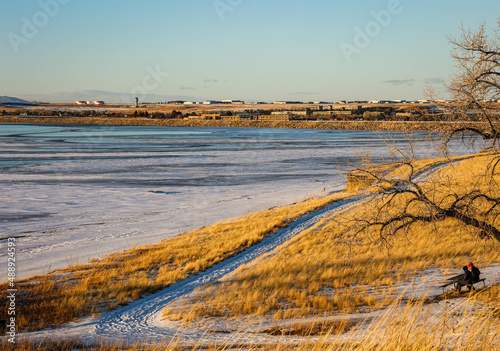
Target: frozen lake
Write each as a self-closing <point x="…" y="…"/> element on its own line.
<point x="69" y="193"/>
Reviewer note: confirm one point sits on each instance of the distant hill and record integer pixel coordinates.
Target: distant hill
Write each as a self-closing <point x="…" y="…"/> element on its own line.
<point x="11" y="100"/>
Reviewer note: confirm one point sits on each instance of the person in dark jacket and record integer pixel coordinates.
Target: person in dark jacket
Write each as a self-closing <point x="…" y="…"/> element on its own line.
<point x="466" y="280"/>
<point x="475" y="272"/>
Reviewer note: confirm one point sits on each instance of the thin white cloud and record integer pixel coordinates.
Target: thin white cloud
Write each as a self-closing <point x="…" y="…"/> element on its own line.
<point x="408" y="82"/>
<point x="434" y="80"/>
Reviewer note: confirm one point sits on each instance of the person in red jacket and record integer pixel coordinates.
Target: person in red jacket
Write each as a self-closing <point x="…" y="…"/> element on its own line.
<point x="475" y="272"/>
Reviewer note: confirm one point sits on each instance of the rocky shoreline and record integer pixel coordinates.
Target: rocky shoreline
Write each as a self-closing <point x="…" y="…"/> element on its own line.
<point x="327" y="125"/>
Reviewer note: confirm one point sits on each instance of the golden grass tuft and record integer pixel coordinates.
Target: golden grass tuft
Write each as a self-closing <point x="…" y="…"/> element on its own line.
<point x="314" y="328"/>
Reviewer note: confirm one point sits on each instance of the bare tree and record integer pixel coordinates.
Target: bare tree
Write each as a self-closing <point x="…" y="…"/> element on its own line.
<point x="409" y="198"/>
<point x="415" y="194"/>
<point x="475" y="87"/>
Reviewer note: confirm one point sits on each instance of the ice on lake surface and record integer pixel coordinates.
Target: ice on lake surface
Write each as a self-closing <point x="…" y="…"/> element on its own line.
<point x="72" y="192"/>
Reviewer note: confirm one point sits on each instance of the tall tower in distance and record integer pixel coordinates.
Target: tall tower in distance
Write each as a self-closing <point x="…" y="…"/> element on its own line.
<point x="136" y="101"/>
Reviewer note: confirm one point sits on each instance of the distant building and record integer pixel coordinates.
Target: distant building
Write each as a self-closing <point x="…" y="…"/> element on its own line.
<point x="386" y="102"/>
<point x="341" y="112"/>
<point x="306" y="112"/>
<point x="234" y="117"/>
<point x="245" y="116"/>
<point x="281" y="117"/>
<point x="287" y="102"/>
<point x="211" y="102"/>
<point x="81" y="102"/>
<point x="346" y="110"/>
<point x="213" y="116"/>
<point x="317" y="108"/>
<point x="234" y="102"/>
<point x="354" y="107"/>
<point x="98" y="102"/>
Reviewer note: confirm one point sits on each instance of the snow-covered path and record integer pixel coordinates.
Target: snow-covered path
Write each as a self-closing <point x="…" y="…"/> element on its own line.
<point x="140" y="321"/>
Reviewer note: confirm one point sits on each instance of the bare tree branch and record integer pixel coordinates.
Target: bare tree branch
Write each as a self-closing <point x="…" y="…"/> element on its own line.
<point x="402" y="200"/>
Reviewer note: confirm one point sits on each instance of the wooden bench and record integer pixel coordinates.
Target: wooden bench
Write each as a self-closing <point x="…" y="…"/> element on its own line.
<point x="471" y="286"/>
<point x="454" y="281"/>
<point x="446" y="284"/>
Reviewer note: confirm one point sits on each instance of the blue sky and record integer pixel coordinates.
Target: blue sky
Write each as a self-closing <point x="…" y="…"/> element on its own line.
<point x="233" y="49"/>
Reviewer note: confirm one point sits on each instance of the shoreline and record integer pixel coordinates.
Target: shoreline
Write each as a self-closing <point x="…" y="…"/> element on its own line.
<point x="431" y="126"/>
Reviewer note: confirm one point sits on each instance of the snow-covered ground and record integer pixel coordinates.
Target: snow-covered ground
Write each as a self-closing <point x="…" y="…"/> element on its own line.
<point x="70" y="193"/>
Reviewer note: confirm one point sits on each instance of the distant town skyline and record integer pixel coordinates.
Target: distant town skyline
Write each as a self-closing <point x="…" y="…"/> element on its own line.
<point x="257" y="50"/>
<point x="90" y="97"/>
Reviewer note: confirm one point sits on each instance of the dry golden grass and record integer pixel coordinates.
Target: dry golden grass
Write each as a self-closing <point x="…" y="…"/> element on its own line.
<point x="313" y="328"/>
<point x="491" y="297"/>
<point x="331" y="269"/>
<point x="415" y="327"/>
<point x="79" y="290"/>
<point x="362" y="179"/>
<point x="412" y="326"/>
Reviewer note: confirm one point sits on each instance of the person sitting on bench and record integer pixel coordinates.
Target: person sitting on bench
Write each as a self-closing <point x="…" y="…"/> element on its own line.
<point x="475" y="272"/>
<point x="466" y="280"/>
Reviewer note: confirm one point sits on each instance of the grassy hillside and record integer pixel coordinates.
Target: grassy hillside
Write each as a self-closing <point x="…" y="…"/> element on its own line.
<point x="337" y="267"/>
